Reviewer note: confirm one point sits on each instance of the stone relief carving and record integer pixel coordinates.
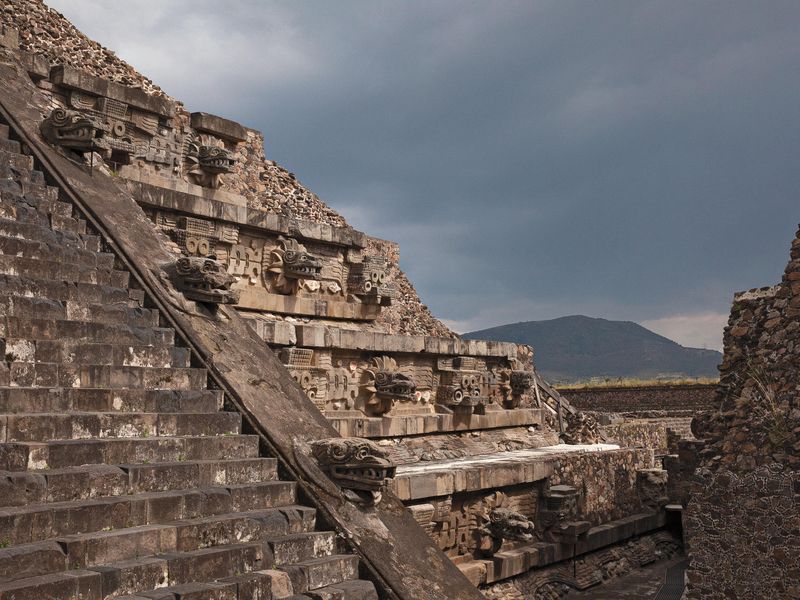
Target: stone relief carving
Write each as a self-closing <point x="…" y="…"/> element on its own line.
<point x="505" y="524"/>
<point x="200" y="237"/>
<point x="85" y="132"/>
<point x="361" y="468"/>
<point x="207" y="160"/>
<point x="513" y="384"/>
<point x="268" y="262"/>
<point x="310" y="378"/>
<point x="354" y="384"/>
<point x="478" y="525"/>
<point x="369" y="280"/>
<point x="556" y="518"/>
<point x="521" y="382"/>
<point x="461" y="391"/>
<point x="290" y="264"/>
<point x="72" y="130"/>
<point x="385" y="384"/>
<point x="204" y="280"/>
<point x="342" y="387"/>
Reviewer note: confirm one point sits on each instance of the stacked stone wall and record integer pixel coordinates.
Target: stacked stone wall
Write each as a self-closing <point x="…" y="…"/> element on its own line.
<point x="744" y="537"/>
<point x="606" y="481"/>
<point x="743" y="509"/>
<point x="644" y="398"/>
<point x="641" y="434"/>
<point x="47" y="39"/>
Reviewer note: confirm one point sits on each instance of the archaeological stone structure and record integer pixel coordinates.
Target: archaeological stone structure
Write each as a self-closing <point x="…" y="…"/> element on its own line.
<point x="215" y="388"/>
<point x="740" y="480"/>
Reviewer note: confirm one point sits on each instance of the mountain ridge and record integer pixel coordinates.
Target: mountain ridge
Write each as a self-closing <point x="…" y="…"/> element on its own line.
<point x="577" y="347"/>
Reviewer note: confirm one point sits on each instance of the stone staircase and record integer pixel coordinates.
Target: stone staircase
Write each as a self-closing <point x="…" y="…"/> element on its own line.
<point x="121" y="476"/>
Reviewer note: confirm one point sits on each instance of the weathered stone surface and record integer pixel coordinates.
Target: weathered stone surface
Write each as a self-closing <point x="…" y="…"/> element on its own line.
<point x="739" y="480"/>
<point x="72" y="78"/>
<point x="252" y="374"/>
<point x="218" y="126"/>
<point x="386" y="368"/>
<point x="9" y="38"/>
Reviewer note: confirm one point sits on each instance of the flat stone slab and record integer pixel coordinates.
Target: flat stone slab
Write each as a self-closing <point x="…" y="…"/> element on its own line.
<point x="441" y="478"/>
<point x="404" y="425"/>
<point x="219" y="126"/>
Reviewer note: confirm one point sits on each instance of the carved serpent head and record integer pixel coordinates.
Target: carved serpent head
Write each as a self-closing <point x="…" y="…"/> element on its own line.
<point x="354" y="463"/>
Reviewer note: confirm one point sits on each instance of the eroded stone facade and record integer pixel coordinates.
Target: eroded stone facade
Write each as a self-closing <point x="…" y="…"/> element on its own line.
<point x="740" y="481"/>
<point x="476" y="437"/>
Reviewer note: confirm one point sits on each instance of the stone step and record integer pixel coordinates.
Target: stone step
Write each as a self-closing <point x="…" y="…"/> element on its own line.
<point x="300" y="547"/>
<point x="80" y="353"/>
<point x="123" y="554"/>
<point x="7" y="145"/>
<point x="17" y="162"/>
<point x="36" y="374"/>
<point x="15" y="285"/>
<point x="21" y="456"/>
<point x="25" y="214"/>
<point x="100" y="481"/>
<point x="14" y="206"/>
<point x="85" y="331"/>
<point x="4" y="131"/>
<point x="146" y="578"/>
<point x="38" y="250"/>
<point x="194" y="514"/>
<point x="40" y="196"/>
<point x="11" y="171"/>
<point x="355" y="589"/>
<point x="30" y="400"/>
<point x="59" y="271"/>
<point x="321" y="572"/>
<point x="78" y="584"/>
<point x="253" y="524"/>
<point x="44" y="198"/>
<point x="44" y="308"/>
<point x="92" y="242"/>
<point x="58" y="239"/>
<point x="209" y="564"/>
<point x="187" y="568"/>
<point x="41" y="427"/>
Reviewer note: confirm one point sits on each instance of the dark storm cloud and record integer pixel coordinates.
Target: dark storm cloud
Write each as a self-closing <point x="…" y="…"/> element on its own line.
<point x="632" y="160"/>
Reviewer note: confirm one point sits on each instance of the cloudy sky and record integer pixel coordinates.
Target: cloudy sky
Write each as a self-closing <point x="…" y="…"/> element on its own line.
<point x="630" y="160"/>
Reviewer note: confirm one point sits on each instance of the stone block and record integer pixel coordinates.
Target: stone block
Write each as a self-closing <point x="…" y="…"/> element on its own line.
<point x="37" y="65"/>
<point x="224" y="128"/>
<point x="72" y="78"/>
<point x="9" y="38"/>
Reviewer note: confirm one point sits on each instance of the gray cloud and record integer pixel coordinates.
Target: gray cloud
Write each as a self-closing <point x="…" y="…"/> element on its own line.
<point x="631" y="160"/>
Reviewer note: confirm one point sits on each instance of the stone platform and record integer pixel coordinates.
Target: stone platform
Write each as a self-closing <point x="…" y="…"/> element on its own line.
<point x="441" y="478"/>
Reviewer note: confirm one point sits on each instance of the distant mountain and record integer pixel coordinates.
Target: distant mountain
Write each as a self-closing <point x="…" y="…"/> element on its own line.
<point x="579" y="348"/>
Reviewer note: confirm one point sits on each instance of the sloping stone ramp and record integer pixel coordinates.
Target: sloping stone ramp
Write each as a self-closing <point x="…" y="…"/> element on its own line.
<point x="122" y="474"/>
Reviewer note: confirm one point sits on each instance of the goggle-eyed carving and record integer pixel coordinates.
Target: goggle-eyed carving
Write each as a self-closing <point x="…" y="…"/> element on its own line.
<point x="370" y="281"/>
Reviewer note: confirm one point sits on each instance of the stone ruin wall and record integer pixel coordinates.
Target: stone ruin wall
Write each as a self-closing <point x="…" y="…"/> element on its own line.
<point x="376" y="363"/>
<point x="742" y="481"/>
<point x="668" y="398"/>
<point x="551" y="583"/>
<point x="49" y="39"/>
